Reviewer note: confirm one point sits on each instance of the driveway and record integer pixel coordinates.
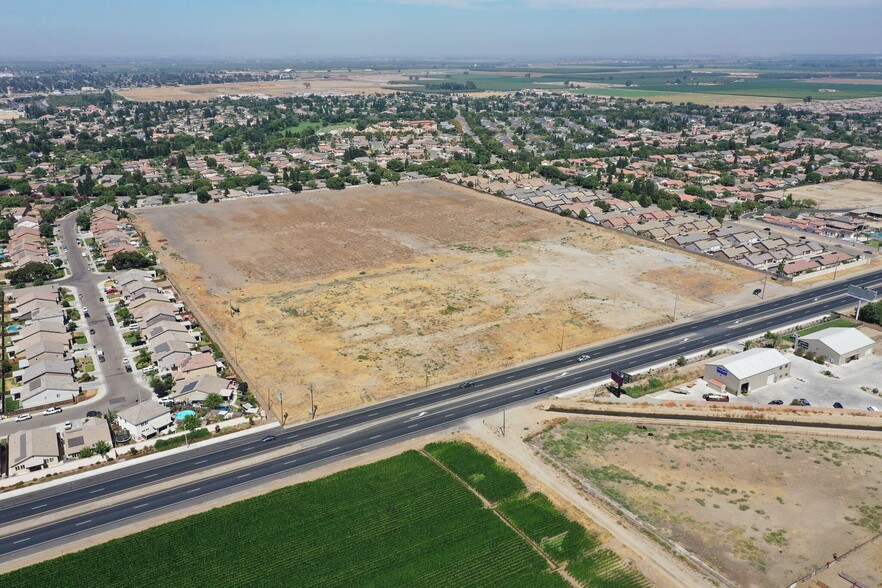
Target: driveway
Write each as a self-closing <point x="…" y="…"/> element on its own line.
<point x="121" y="390"/>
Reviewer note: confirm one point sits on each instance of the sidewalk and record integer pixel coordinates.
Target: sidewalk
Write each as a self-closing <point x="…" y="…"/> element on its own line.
<point x="57" y="477"/>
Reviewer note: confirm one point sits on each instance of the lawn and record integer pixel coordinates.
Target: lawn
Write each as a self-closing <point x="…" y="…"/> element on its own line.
<point x="12" y="404"/>
<point x="403" y="521"/>
<point x="840" y="322"/>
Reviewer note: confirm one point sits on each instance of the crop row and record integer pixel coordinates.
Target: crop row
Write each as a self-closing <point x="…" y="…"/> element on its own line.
<point x="478" y="470"/>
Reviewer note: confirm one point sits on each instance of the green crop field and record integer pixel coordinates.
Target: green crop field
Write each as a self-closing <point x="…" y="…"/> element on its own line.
<point x="403" y="521"/>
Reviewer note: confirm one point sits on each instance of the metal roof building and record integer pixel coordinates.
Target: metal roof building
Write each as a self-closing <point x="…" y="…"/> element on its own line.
<point x="747" y="371"/>
<point x="838" y="345"/>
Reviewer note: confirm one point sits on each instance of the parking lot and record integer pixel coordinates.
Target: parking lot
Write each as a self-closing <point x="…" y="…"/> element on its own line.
<point x="850" y="384"/>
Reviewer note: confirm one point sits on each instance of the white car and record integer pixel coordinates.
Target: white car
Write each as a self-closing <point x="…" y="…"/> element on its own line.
<point x="68" y="425"/>
<point x="126" y="361"/>
<point x="23" y="417"/>
<point x="51" y="411"/>
<point x="872" y="409"/>
<point x="582" y="358"/>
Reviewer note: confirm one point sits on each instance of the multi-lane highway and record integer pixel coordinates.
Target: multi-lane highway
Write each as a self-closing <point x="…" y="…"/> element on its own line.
<point x="367" y="427"/>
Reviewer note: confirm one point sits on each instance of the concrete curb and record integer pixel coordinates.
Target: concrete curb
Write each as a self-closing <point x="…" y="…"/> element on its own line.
<point x="131" y="462"/>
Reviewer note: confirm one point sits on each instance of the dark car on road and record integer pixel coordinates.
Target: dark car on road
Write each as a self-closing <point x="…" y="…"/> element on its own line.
<point x="541" y="390"/>
<point x="91" y="331"/>
<point x="468" y="384"/>
<point x="837" y="405"/>
<point x="93" y="413"/>
<point x="268" y="438"/>
<point x="777" y="402"/>
<point x="804" y="402"/>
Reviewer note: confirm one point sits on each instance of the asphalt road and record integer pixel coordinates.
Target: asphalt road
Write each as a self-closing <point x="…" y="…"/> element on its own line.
<point x="396" y="419"/>
<point x="122" y="390"/>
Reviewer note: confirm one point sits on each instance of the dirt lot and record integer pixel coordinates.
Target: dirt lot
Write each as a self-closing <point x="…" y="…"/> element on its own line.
<point x="841" y="194"/>
<point x="763" y="509"/>
<point x="360" y="83"/>
<point x="377" y="291"/>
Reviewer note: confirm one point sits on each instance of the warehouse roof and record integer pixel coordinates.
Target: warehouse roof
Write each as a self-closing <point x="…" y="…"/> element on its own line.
<point x="751" y="362"/>
<point x="842" y="340"/>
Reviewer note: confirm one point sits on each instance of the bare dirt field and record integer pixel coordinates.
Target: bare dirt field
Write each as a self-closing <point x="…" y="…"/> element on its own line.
<point x="763" y="509"/>
<point x="362" y="83"/>
<point x="377" y="291"/>
<point x="840" y="194"/>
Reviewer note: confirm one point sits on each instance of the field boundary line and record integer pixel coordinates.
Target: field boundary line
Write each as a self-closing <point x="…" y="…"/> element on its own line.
<point x="625" y="515"/>
<point x="555" y="567"/>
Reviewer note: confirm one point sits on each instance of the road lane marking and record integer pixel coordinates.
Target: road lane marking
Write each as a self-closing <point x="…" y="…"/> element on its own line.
<point x="445" y="394"/>
<point x="374" y="414"/>
<point x="151" y="476"/>
<point x="96" y="491"/>
<point x="333" y="449"/>
<point x="242" y="476"/>
<point x="83" y="523"/>
<point x="483" y="405"/>
<point x="202" y="461"/>
<point x="449" y="415"/>
<point x="140" y="506"/>
<point x="193" y="490"/>
<point x="290" y="462"/>
<point x="374" y="437"/>
<point x="247" y="449"/>
<point x="331" y="425"/>
<point x="38" y="506"/>
<point x="21" y="540"/>
<point x="410" y="404"/>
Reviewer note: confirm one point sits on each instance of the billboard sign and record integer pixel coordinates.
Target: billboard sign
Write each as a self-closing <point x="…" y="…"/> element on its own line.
<point x="803" y="344"/>
<point x="864" y="294"/>
<point x="621" y="377"/>
<point x="722" y="371"/>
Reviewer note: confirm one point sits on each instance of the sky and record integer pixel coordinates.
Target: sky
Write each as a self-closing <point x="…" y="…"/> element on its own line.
<point x="436" y="29"/>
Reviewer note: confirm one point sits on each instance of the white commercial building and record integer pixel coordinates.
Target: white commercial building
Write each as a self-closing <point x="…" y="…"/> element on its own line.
<point x="837" y="345"/>
<point x="747" y="371"/>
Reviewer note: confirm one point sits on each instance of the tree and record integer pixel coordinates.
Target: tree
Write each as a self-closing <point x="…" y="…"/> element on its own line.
<point x="162" y="386"/>
<point x="213" y="401"/>
<point x="129" y="260"/>
<point x="102" y="448"/>
<point x="872" y="313"/>
<point x="191" y="422"/>
<point x="335" y="183"/>
<point x="202" y="196"/>
<point x="124" y="315"/>
<point x="30" y="272"/>
<point x="86" y="452"/>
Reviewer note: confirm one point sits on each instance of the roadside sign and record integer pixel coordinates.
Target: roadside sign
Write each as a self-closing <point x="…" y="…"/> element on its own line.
<point x="864" y="294"/>
<point x="722" y="371"/>
<point x="803" y="344"/>
<point x="620" y="377"/>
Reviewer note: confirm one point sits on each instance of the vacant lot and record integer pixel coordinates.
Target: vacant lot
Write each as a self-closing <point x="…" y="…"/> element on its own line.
<point x="763" y="509"/>
<point x="404" y="521"/>
<point x="376" y="291"/>
<point x="841" y="194"/>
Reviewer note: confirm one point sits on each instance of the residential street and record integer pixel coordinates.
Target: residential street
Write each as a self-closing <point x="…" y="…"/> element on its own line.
<point x="121" y="389"/>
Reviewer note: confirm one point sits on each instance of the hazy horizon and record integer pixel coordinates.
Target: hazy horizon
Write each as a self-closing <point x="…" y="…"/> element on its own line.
<point x="440" y="29"/>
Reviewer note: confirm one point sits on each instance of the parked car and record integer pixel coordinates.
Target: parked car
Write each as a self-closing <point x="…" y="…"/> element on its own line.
<point x="837" y="405"/>
<point x="23" y="417"/>
<point x="126" y="360"/>
<point x="541" y="390"/>
<point x="872" y="409"/>
<point x="804" y="402"/>
<point x="101" y="359"/>
<point x="93" y="413"/>
<point x="68" y="425"/>
<point x="468" y="384"/>
<point x="777" y="402"/>
<point x="584" y="357"/>
<point x="51" y="411"/>
<point x="91" y="331"/>
<point x="86" y="314"/>
<point x="110" y="322"/>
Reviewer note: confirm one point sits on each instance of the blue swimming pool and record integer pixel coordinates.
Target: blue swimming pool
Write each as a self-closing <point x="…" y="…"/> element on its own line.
<point x="184" y="414"/>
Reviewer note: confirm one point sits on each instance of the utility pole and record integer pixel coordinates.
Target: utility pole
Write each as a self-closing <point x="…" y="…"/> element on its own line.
<point x="281" y="408"/>
<point x="311" y="401"/>
<point x="676" y="300"/>
<point x="765" y="281"/>
<point x="503" y="422"/>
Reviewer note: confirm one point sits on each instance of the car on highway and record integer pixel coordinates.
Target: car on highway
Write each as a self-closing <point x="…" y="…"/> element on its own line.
<point x="268" y="438"/>
<point x="23" y="417"/>
<point x="777" y="401"/>
<point x="93" y="413"/>
<point x="541" y="390"/>
<point x="51" y="411"/>
<point x="837" y="405"/>
<point x="468" y="384"/>
<point x="872" y="409"/>
<point x="583" y="357"/>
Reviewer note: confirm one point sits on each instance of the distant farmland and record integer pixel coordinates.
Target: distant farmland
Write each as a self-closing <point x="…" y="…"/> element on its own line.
<point x="649" y="83"/>
<point x="404" y="521"/>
